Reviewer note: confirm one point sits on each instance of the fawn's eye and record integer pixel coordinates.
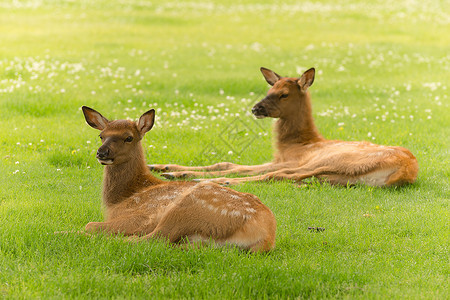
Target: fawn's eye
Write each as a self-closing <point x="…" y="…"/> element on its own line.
<point x="129" y="139"/>
<point x="284" y="96"/>
<point x="100" y="137"/>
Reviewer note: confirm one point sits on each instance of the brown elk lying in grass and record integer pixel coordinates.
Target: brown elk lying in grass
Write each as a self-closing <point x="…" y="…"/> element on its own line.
<point x="137" y="203"/>
<point x="302" y="152"/>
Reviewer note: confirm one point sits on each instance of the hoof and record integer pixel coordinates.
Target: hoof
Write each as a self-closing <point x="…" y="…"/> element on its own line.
<point x="168" y="175"/>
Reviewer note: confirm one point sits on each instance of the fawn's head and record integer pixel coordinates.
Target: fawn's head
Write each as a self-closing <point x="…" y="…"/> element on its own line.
<point x="120" y="138"/>
<point x="285" y="96"/>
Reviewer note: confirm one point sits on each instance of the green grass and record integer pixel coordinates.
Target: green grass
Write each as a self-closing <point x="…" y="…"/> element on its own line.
<point x="382" y="75"/>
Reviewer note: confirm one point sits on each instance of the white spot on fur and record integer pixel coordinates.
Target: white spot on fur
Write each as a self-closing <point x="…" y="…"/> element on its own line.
<point x="246" y="203"/>
<point x="246" y="217"/>
<point x="235" y="213"/>
<point x="167" y="197"/>
<point x="223" y="212"/>
<point x="235" y="196"/>
<point x="250" y="210"/>
<point x="215" y="200"/>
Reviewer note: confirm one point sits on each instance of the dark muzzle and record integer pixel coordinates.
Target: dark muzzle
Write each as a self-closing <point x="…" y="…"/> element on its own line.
<point x="259" y="110"/>
<point x="102" y="153"/>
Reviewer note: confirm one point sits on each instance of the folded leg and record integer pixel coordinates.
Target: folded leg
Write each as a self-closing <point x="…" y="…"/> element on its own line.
<point x="172" y="167"/>
<point x="127" y="225"/>
<point x="240" y="169"/>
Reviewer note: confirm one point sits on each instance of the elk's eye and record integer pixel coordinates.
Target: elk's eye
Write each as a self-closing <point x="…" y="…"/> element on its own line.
<point x="129" y="139"/>
<point x="284" y="96"/>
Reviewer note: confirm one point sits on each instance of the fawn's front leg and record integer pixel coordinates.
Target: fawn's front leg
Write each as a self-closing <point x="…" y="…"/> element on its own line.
<point x="296" y="174"/>
<point x="127" y="225"/>
<point x="172" y="167"/>
<point x="239" y="169"/>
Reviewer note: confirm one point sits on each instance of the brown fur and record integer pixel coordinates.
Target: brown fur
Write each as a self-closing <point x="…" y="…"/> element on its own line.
<point x="139" y="204"/>
<point x="301" y="151"/>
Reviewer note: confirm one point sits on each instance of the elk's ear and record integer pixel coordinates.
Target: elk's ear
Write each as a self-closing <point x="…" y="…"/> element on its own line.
<point x="307" y="79"/>
<point x="146" y="121"/>
<point x="94" y="118"/>
<point x="270" y="76"/>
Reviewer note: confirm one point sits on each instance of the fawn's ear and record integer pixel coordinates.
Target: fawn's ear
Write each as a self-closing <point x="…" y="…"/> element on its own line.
<point x="270" y="76"/>
<point x="146" y="121"/>
<point x="94" y="118"/>
<point x="307" y="79"/>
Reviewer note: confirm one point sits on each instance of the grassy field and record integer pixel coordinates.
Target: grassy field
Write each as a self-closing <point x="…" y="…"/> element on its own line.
<point x="382" y="74"/>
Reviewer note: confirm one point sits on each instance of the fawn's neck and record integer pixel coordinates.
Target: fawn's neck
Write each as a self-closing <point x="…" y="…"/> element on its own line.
<point x="122" y="181"/>
<point x="297" y="127"/>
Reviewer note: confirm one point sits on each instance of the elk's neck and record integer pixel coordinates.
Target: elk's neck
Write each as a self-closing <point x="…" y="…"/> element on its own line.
<point x="297" y="127"/>
<point x="122" y="181"/>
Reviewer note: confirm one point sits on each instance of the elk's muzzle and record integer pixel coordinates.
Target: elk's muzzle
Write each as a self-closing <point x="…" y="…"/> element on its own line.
<point x="103" y="156"/>
<point x="259" y="111"/>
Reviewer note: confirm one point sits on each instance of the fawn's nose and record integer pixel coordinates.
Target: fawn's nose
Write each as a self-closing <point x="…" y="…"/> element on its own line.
<point x="102" y="153"/>
<point x="259" y="110"/>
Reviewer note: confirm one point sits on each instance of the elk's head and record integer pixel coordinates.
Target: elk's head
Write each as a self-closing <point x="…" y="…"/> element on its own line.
<point x="285" y="96"/>
<point x="120" y="138"/>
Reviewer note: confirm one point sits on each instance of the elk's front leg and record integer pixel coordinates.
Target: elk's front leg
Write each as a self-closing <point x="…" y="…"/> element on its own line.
<point x="296" y="174"/>
<point x="172" y="167"/>
<point x="127" y="225"/>
<point x="239" y="169"/>
<point x="96" y="227"/>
